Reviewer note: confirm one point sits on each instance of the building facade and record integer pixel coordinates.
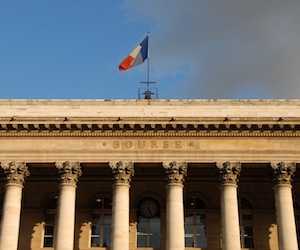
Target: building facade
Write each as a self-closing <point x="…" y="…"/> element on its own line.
<point x="149" y="174"/>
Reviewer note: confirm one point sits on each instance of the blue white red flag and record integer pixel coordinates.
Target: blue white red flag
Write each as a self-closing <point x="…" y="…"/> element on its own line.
<point x="136" y="57"/>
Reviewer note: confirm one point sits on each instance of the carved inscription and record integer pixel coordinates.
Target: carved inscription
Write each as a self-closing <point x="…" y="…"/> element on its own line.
<point x="151" y="144"/>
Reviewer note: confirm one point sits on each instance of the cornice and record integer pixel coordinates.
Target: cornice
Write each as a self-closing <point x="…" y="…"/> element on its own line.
<point x="149" y="127"/>
<point x="171" y="102"/>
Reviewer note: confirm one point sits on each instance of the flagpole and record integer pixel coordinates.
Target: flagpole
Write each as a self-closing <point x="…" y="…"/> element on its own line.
<point x="148" y="92"/>
<point x="148" y="73"/>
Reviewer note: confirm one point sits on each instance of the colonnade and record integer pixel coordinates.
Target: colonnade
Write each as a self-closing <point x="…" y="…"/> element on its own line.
<point x="175" y="172"/>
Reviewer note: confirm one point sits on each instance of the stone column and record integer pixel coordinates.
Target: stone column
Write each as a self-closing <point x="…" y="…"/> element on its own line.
<point x="15" y="173"/>
<point x="122" y="173"/>
<point x="175" y="173"/>
<point x="282" y="176"/>
<point x="228" y="174"/>
<point x="69" y="173"/>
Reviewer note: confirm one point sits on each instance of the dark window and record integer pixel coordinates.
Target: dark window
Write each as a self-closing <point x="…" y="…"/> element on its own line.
<point x="246" y="224"/>
<point x="297" y="215"/>
<point x="101" y="222"/>
<point x="49" y="222"/>
<point x="194" y="223"/>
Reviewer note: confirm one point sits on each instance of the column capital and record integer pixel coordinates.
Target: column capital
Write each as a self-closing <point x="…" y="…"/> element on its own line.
<point x="175" y="172"/>
<point x="15" y="172"/>
<point x="122" y="172"/>
<point x="69" y="172"/>
<point x="282" y="172"/>
<point x="228" y="172"/>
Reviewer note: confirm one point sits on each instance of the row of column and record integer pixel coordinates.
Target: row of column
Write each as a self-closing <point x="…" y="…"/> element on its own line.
<point x="122" y="172"/>
<point x="282" y="175"/>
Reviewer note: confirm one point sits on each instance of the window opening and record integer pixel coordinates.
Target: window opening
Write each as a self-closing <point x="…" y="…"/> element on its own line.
<point x="246" y="224"/>
<point x="148" y="226"/>
<point x="195" y="223"/>
<point x="49" y="222"/>
<point x="297" y="218"/>
<point x="101" y="222"/>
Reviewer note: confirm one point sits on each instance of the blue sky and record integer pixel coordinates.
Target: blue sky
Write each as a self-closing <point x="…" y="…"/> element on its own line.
<point x="71" y="49"/>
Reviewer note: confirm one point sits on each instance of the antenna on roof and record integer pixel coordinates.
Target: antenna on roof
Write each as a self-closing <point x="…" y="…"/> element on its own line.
<point x="148" y="92"/>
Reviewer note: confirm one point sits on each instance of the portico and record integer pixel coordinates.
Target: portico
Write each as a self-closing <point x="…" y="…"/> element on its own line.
<point x="198" y="161"/>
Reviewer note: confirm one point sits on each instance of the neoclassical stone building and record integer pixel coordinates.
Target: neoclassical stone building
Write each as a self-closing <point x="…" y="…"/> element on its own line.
<point x="149" y="174"/>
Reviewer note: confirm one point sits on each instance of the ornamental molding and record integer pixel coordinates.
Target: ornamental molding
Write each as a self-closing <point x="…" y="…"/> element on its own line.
<point x="148" y="134"/>
<point x="15" y="172"/>
<point x="149" y="127"/>
<point x="69" y="172"/>
<point x="282" y="172"/>
<point x="121" y="172"/>
<point x="228" y="172"/>
<point x="175" y="172"/>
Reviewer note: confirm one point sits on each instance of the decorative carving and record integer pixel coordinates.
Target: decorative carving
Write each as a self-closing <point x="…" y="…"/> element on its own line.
<point x="105" y="131"/>
<point x="122" y="172"/>
<point x="15" y="172"/>
<point x="175" y="172"/>
<point x="69" y="172"/>
<point x="228" y="172"/>
<point x="282" y="173"/>
<point x="227" y="125"/>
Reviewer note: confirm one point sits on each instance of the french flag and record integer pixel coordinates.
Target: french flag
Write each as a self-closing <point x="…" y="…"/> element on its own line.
<point x="136" y="57"/>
